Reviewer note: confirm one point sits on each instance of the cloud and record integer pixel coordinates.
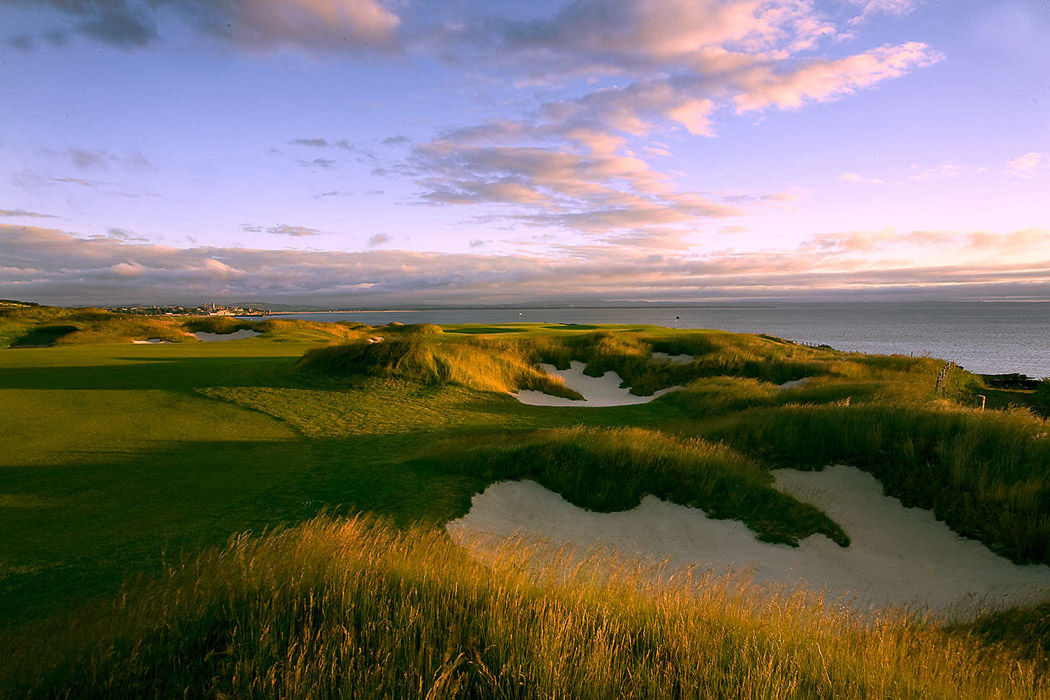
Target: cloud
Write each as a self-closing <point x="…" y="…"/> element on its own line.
<point x="22" y="42"/>
<point x="55" y="266"/>
<point x="378" y="239"/>
<point x="23" y="214"/>
<point x="616" y="35"/>
<point x="592" y="190"/>
<point x="313" y="143"/>
<point x="1026" y="165"/>
<point x="119" y="24"/>
<point x="312" y="25"/>
<point x="79" y="181"/>
<point x="332" y="193"/>
<point x="87" y="160"/>
<point x="652" y="68"/>
<point x="319" y="163"/>
<point x="945" y="171"/>
<point x="857" y="178"/>
<point x="868" y="8"/>
<point x="826" y="79"/>
<point x="281" y="230"/>
<point x="124" y="234"/>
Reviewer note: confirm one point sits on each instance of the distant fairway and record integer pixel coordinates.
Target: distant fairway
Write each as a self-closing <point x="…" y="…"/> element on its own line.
<point x="121" y="461"/>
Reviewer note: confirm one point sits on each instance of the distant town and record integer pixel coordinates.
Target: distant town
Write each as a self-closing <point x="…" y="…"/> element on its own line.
<point x="209" y="309"/>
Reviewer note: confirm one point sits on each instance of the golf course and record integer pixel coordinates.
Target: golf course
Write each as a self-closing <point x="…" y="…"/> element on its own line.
<point x="530" y="510"/>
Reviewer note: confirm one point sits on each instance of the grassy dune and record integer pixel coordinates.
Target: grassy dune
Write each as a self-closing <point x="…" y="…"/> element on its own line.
<point x="481" y="365"/>
<point x="117" y="460"/>
<point x="47" y="326"/>
<point x="349" y="608"/>
<point x="611" y="470"/>
<point x="984" y="473"/>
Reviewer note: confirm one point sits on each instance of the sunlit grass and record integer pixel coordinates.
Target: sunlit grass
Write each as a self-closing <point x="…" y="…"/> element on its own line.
<point x="611" y="470"/>
<point x="352" y="608"/>
<point x="985" y="473"/>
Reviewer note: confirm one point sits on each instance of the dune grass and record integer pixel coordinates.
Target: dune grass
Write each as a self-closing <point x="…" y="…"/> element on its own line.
<point x="986" y="474"/>
<point x="352" y="608"/>
<point x="476" y="364"/>
<point x="611" y="470"/>
<point x="47" y="326"/>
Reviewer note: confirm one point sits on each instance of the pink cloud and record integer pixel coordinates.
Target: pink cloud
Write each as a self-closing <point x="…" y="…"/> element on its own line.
<point x="1026" y="165"/>
<point x="825" y="79"/>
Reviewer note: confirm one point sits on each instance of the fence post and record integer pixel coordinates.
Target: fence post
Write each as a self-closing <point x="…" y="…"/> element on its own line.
<point x="979" y="401"/>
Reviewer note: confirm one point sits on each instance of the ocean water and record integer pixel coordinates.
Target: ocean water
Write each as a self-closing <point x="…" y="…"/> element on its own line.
<point x="989" y="338"/>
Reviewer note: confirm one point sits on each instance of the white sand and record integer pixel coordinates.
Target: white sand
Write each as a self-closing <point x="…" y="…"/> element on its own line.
<point x="674" y="359"/>
<point x="596" y="391"/>
<point x="236" y="335"/>
<point x="898" y="556"/>
<point x="793" y="382"/>
<point x="151" y="341"/>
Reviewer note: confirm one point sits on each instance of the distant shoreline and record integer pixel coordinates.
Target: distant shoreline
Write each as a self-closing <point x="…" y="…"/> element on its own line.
<point x="655" y="306"/>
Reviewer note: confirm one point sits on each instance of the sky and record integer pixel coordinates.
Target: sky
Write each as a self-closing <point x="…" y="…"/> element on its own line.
<point x="379" y="153"/>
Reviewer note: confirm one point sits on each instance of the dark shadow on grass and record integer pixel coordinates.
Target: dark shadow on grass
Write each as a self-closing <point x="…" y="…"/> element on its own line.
<point x="174" y="374"/>
<point x="43" y="336"/>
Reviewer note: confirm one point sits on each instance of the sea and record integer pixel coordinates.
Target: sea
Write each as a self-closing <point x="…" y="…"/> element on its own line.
<point x="983" y="337"/>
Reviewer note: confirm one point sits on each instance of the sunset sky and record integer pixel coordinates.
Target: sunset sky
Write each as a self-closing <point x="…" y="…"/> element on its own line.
<point x="381" y="152"/>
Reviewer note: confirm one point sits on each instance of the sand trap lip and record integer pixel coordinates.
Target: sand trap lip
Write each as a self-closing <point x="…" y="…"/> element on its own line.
<point x="674" y="359"/>
<point x="596" y="391"/>
<point x="898" y="557"/>
<point x="151" y="341"/>
<point x="236" y="335"/>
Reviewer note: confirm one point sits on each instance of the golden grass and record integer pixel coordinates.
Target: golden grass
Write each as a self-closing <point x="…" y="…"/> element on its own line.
<point x="474" y="363"/>
<point x="352" y="608"/>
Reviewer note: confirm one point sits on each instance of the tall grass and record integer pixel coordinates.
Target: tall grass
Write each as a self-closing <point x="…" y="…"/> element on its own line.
<point x="337" y="608"/>
<point x="477" y="364"/>
<point x="986" y="474"/>
<point x="505" y="364"/>
<point x="611" y="470"/>
<point x="714" y="354"/>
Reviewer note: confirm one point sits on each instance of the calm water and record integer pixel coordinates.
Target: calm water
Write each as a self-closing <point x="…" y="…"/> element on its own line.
<point x="982" y="337"/>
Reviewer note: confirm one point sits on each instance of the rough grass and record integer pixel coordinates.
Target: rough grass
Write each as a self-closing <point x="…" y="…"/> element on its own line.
<point x="986" y="474"/>
<point x="471" y="363"/>
<point x="611" y="470"/>
<point x="351" y="608"/>
<point x="49" y="326"/>
<point x="419" y="353"/>
<point x="1021" y="632"/>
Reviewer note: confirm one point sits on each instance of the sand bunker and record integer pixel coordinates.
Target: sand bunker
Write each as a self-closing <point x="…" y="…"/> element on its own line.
<point x="236" y="335"/>
<point x="151" y="341"/>
<point x="596" y="391"/>
<point x="674" y="359"/>
<point x="898" y="557"/>
<point x="793" y="383"/>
